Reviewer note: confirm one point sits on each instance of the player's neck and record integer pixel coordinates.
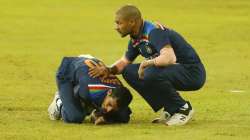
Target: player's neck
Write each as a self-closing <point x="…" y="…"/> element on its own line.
<point x="137" y="30"/>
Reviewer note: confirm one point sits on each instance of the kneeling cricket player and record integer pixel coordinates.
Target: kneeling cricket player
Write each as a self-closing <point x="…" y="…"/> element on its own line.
<point x="103" y="98"/>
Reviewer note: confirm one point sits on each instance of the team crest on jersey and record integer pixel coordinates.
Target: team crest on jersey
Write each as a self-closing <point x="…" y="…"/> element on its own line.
<point x="148" y="49"/>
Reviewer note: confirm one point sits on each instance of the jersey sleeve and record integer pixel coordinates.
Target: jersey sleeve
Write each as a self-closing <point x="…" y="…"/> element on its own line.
<point x="159" y="38"/>
<point x="131" y="52"/>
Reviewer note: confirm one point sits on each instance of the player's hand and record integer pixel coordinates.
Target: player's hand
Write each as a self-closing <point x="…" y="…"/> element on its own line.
<point x="98" y="70"/>
<point x="144" y="64"/>
<point x="100" y="120"/>
<point x="97" y="118"/>
<point x="93" y="116"/>
<point x="141" y="70"/>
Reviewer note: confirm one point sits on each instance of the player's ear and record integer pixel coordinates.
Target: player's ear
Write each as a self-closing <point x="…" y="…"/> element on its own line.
<point x="132" y="22"/>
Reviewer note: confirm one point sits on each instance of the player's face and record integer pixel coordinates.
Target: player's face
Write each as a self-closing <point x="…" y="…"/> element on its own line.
<point x="109" y="104"/>
<point x="123" y="27"/>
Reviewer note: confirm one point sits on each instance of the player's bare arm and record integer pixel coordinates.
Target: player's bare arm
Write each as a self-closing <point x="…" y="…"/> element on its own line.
<point x="116" y="68"/>
<point x="166" y="57"/>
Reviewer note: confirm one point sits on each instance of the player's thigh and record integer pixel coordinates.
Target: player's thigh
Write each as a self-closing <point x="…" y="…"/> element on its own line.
<point x="72" y="111"/>
<point x="177" y="75"/>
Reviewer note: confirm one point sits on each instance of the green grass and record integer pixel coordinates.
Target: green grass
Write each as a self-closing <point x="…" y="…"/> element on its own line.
<point x="35" y="35"/>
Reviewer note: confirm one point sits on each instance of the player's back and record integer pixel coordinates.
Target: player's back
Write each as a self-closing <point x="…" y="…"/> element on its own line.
<point x="94" y="89"/>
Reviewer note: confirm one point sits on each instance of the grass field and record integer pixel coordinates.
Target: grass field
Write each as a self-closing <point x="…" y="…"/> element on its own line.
<point x="35" y="35"/>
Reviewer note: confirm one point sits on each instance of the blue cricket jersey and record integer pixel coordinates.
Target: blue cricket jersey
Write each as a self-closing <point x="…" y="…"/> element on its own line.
<point x="153" y="37"/>
<point x="92" y="89"/>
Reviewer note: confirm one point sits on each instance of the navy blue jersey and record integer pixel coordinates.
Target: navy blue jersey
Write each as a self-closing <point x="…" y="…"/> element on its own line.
<point x="153" y="37"/>
<point x="92" y="89"/>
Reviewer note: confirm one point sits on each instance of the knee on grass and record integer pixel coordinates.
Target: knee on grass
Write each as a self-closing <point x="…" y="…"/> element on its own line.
<point x="73" y="118"/>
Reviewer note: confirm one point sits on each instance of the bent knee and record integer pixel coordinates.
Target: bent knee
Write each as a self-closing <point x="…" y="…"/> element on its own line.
<point x="194" y="86"/>
<point x="199" y="85"/>
<point x="74" y="118"/>
<point x="130" y="72"/>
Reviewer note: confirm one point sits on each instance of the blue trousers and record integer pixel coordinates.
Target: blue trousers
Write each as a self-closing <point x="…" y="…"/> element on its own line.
<point x="72" y="110"/>
<point x="160" y="84"/>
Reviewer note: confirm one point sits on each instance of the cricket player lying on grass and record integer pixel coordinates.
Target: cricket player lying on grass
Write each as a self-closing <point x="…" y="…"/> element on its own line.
<point x="104" y="98"/>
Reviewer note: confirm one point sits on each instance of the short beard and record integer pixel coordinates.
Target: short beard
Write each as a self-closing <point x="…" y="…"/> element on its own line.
<point x="124" y="35"/>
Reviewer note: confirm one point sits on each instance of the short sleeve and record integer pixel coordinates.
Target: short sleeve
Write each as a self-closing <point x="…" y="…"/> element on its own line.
<point x="159" y="38"/>
<point x="131" y="52"/>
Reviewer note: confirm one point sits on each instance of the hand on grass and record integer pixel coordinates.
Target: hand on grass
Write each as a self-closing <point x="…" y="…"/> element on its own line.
<point x="100" y="121"/>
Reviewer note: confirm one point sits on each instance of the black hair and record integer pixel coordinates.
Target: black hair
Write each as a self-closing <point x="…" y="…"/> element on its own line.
<point x="122" y="95"/>
<point x="129" y="12"/>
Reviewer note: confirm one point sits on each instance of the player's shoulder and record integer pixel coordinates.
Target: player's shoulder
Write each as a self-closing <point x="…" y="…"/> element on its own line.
<point x="155" y="26"/>
<point x="160" y="31"/>
<point x="148" y="27"/>
<point x="89" y="56"/>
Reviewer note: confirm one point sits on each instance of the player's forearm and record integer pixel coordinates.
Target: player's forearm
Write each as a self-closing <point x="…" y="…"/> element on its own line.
<point x="113" y="70"/>
<point x="118" y="66"/>
<point x="166" y="57"/>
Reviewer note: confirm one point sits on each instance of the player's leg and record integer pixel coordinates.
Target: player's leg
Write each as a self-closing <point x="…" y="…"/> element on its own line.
<point x="167" y="94"/>
<point x="183" y="77"/>
<point x="159" y="87"/>
<point x="130" y="74"/>
<point x="54" y="109"/>
<point x="177" y="77"/>
<point x="72" y="111"/>
<point x="151" y="94"/>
